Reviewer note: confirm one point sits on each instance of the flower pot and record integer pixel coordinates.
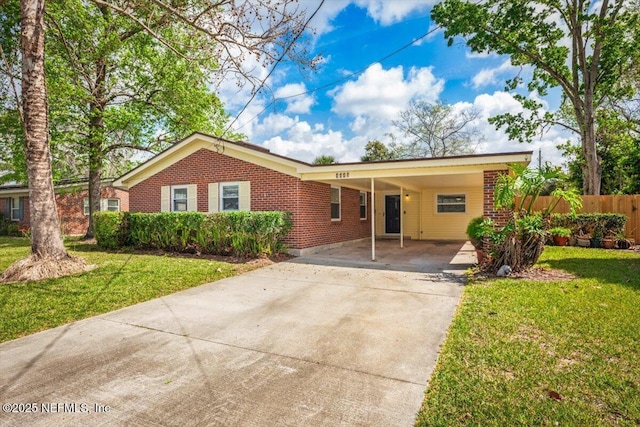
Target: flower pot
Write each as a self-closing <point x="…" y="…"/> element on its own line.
<point x="573" y="241"/>
<point x="623" y="244"/>
<point x="584" y="242"/>
<point x="596" y="242"/>
<point x="560" y="240"/>
<point x="608" y="243"/>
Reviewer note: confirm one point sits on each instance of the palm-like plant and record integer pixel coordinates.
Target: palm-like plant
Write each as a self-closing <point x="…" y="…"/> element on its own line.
<point x="520" y="242"/>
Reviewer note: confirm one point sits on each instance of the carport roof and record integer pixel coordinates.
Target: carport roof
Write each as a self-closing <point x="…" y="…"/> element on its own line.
<point x="409" y="173"/>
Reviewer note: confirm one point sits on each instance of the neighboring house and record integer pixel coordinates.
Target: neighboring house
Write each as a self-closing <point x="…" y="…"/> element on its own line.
<point x="430" y="199"/>
<point x="72" y="200"/>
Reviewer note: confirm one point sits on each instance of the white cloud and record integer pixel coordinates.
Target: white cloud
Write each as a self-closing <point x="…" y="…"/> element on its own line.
<point x="490" y="76"/>
<point x="382" y="94"/>
<point x="389" y="12"/>
<point x="296" y="103"/>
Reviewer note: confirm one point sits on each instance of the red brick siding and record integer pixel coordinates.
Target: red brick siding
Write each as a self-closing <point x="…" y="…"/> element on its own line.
<point x="499" y="216"/>
<point x="71" y="208"/>
<point x="309" y="202"/>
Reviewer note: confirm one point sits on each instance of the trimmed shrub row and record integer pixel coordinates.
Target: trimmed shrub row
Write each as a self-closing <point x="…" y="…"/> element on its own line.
<point x="223" y="233"/>
<point x="608" y="224"/>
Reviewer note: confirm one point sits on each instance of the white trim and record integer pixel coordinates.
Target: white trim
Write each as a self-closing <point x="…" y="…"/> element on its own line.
<point x="339" y="203"/>
<point x="365" y="205"/>
<point x="221" y="195"/>
<point x="15" y="208"/>
<point x="436" y="204"/>
<point x="172" y="198"/>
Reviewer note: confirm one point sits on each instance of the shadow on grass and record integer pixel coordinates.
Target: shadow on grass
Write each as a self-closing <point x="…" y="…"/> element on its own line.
<point x="615" y="269"/>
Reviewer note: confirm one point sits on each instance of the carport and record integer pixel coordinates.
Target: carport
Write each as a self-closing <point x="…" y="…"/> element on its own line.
<point x="429" y="199"/>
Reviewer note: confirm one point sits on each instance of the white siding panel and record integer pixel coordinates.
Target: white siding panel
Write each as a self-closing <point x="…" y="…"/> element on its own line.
<point x="213" y="197"/>
<point x="165" y="198"/>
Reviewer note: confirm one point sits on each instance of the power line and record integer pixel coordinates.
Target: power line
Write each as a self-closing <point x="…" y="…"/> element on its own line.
<point x="284" y="53"/>
<point x="334" y="82"/>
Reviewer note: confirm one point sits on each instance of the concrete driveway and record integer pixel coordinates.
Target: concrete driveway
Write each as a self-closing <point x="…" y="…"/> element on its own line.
<point x="295" y="343"/>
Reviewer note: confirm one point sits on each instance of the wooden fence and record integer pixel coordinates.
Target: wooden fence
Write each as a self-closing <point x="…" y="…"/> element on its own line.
<point x="628" y="205"/>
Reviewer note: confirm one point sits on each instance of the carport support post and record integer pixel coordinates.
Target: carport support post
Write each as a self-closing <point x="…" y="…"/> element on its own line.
<point x="373" y="221"/>
<point x="401" y="218"/>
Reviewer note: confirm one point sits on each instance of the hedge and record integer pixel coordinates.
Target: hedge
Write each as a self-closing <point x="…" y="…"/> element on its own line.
<point x="223" y="233"/>
<point x="611" y="224"/>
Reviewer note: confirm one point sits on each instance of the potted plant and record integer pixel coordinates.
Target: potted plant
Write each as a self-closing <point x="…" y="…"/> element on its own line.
<point x="609" y="242"/>
<point x="476" y="230"/>
<point x="623" y="242"/>
<point x="560" y="235"/>
<point x="596" y="238"/>
<point x="583" y="240"/>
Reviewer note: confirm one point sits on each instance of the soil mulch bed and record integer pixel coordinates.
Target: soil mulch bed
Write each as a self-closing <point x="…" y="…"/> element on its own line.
<point x="539" y="274"/>
<point x="534" y="274"/>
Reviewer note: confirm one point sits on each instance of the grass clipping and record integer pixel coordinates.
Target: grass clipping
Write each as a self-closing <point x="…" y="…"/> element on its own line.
<point x="35" y="268"/>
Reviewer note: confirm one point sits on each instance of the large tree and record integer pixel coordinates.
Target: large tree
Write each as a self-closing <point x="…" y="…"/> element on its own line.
<point x="268" y="31"/>
<point x="437" y="130"/>
<point x="49" y="257"/>
<point x="583" y="47"/>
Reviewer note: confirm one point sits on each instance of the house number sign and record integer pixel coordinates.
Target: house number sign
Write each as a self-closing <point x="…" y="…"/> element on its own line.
<point x="342" y="174"/>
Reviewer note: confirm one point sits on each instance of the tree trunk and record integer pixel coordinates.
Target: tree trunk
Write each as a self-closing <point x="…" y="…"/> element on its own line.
<point x="593" y="169"/>
<point x="49" y="257"/>
<point x="46" y="237"/>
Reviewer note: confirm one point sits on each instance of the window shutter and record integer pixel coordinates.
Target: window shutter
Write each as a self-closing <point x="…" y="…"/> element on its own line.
<point x="20" y="208"/>
<point x="165" y="199"/>
<point x="245" y="196"/>
<point x="7" y="208"/>
<point x="192" y="198"/>
<point x="103" y="204"/>
<point x="213" y="197"/>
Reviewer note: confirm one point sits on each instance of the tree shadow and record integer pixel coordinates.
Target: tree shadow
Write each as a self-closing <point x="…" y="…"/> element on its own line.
<point x="620" y="270"/>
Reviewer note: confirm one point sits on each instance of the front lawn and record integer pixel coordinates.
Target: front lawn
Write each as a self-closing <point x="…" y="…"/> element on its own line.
<point x="120" y="280"/>
<point x="563" y="353"/>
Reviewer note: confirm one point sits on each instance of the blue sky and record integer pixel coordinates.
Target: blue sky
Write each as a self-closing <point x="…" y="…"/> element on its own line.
<point x="340" y="119"/>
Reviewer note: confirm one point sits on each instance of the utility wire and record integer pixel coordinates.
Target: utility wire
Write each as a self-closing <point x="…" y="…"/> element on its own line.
<point x="284" y="53"/>
<point x="334" y="82"/>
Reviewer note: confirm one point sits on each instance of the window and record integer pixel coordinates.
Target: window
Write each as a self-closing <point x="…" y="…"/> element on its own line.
<point x="111" y="205"/>
<point x="179" y="199"/>
<point x="452" y="203"/>
<point x="335" y="203"/>
<point x="363" y="205"/>
<point x="229" y="196"/>
<point x="16" y="209"/>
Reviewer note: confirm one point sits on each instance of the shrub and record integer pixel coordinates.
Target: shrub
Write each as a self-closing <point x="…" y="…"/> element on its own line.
<point x="111" y="229"/>
<point x="224" y="233"/>
<point x="560" y="232"/>
<point x="610" y="224"/>
<point x="476" y="230"/>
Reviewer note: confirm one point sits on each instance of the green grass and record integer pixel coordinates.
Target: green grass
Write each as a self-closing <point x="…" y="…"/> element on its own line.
<point x="120" y="280"/>
<point x="513" y="344"/>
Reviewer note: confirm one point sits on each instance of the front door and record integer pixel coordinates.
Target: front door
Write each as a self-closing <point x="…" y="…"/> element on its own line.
<point x="392" y="214"/>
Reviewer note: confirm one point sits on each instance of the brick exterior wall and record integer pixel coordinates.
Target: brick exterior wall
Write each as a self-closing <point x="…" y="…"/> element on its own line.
<point x="499" y="216"/>
<point x="309" y="202"/>
<point x="71" y="208"/>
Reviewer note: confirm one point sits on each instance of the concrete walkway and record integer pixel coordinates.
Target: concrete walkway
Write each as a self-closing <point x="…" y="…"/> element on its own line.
<point x="292" y="344"/>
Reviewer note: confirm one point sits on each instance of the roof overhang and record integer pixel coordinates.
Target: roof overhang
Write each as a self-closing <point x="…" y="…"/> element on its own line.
<point x="23" y="190"/>
<point x="410" y="174"/>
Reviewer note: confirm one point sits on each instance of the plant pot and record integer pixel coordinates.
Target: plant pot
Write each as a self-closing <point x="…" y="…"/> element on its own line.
<point x="608" y="243"/>
<point x="596" y="242"/>
<point x="584" y="242"/>
<point x="573" y="241"/>
<point x="560" y="240"/>
<point x="623" y="244"/>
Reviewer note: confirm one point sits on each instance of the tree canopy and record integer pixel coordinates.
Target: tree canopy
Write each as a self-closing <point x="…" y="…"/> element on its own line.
<point x="583" y="47"/>
<point x="436" y="130"/>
